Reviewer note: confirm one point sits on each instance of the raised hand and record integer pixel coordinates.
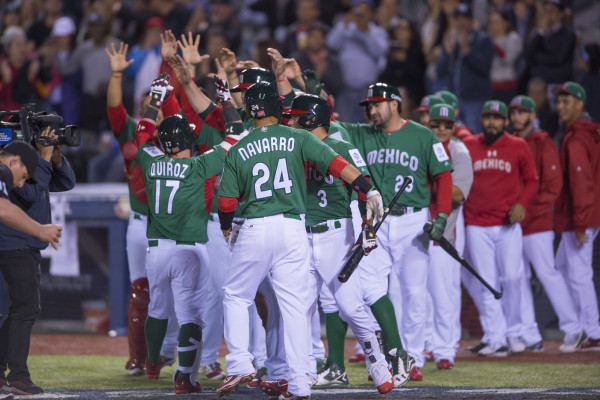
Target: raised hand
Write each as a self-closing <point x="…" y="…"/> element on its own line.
<point x="228" y="60"/>
<point x="159" y="90"/>
<point x="189" y="49"/>
<point x="118" y="58"/>
<point x="277" y="62"/>
<point x="246" y="64"/>
<point x="222" y="88"/>
<point x="168" y="47"/>
<point x="292" y="69"/>
<point x="180" y="69"/>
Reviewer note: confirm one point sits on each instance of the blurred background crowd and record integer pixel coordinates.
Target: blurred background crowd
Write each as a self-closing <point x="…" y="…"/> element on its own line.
<point x="53" y="53"/>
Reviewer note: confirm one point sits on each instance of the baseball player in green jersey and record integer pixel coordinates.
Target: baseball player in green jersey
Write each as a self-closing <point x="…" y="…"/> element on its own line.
<point x="264" y="173"/>
<point x="396" y="148"/>
<point x="331" y="237"/>
<point x="177" y="217"/>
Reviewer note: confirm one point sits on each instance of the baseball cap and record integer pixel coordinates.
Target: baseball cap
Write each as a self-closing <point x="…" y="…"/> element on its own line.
<point x="28" y="154"/>
<point x="442" y="111"/>
<point x="495" y="107"/>
<point x="523" y="102"/>
<point x="11" y="33"/>
<point x="429" y="101"/>
<point x="448" y="97"/>
<point x="154" y="22"/>
<point x="463" y="9"/>
<point x="381" y="92"/>
<point x="574" y="89"/>
<point x="64" y="26"/>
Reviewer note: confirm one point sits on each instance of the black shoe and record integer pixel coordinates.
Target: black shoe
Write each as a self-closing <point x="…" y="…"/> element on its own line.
<point x="23" y="387"/>
<point x="475" y="349"/>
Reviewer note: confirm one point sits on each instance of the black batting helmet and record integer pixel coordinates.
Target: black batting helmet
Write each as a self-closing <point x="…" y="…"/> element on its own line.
<point x="262" y="100"/>
<point x="175" y="134"/>
<point x="250" y="76"/>
<point x="382" y="92"/>
<point x="314" y="111"/>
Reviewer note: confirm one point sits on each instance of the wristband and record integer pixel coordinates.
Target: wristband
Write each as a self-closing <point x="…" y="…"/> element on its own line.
<point x="151" y="113"/>
<point x="282" y="80"/>
<point x="116" y="75"/>
<point x="230" y="114"/>
<point x="362" y="184"/>
<point x="226" y="219"/>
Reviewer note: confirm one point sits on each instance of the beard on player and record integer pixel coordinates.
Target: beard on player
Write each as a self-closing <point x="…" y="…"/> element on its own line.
<point x="493" y="127"/>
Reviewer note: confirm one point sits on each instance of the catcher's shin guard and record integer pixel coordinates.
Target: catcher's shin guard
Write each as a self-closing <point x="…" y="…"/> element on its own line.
<point x="139" y="298"/>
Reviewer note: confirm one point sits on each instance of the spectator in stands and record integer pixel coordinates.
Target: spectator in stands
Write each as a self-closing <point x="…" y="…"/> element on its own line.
<point x="507" y="49"/>
<point x="132" y="19"/>
<point x="24" y="77"/>
<point x="174" y="13"/>
<point x="28" y="12"/>
<point x="466" y="59"/>
<point x="522" y="18"/>
<point x="362" y="47"/>
<point x="223" y="15"/>
<point x="547" y="118"/>
<point x="40" y="30"/>
<point x="433" y="29"/>
<point x="307" y="16"/>
<point x="317" y="57"/>
<point x="387" y="15"/>
<point x="90" y="58"/>
<point x="406" y="62"/>
<point x="550" y="51"/>
<point x="590" y="79"/>
<point x="11" y="16"/>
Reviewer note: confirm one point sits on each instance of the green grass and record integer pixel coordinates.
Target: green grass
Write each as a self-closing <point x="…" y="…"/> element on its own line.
<point x="107" y="372"/>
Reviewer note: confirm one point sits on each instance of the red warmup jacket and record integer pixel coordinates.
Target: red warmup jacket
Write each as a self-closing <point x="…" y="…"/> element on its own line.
<point x="461" y="132"/>
<point x="538" y="215"/>
<point x="577" y="206"/>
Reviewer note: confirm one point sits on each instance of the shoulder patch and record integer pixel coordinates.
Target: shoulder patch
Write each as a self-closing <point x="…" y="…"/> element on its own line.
<point x="357" y="158"/>
<point x="440" y="152"/>
<point x="153" y="151"/>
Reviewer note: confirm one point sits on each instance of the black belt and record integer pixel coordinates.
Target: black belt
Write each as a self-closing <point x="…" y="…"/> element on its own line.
<point x="399" y="211"/>
<point x="320" y="228"/>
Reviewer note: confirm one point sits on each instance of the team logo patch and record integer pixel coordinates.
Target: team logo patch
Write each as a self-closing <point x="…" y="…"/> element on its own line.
<point x="263" y="129"/>
<point x="356" y="157"/>
<point x="153" y="151"/>
<point x="495" y="106"/>
<point x="5" y="136"/>
<point x="440" y="153"/>
<point x="444" y="112"/>
<point x="261" y="113"/>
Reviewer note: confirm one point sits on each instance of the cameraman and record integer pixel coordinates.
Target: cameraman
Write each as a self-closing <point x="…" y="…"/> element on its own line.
<point x="20" y="261"/>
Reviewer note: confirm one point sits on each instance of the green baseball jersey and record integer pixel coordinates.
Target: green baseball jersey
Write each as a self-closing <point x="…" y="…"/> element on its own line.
<point x="176" y="195"/>
<point x="265" y="170"/>
<point x="413" y="151"/>
<point x="328" y="197"/>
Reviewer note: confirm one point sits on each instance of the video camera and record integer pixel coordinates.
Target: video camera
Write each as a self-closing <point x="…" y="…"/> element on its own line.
<point x="27" y="125"/>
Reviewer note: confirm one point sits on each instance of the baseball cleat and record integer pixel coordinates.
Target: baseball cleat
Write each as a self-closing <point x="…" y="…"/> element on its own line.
<point x="475" y="349"/>
<point x="415" y="374"/>
<point x="494" y="350"/>
<point x="134" y="367"/>
<point x="184" y="386"/>
<point x="261" y="375"/>
<point x="153" y="370"/>
<point x="536" y="347"/>
<point x="274" y="388"/>
<point x="231" y="383"/>
<point x="572" y="342"/>
<point x="428" y="355"/>
<point x="213" y="371"/>
<point x="516" y="345"/>
<point x="288" y="396"/>
<point x="444" y="363"/>
<point x="590" y="345"/>
<point x="382" y="377"/>
<point x="23" y="387"/>
<point x="332" y="375"/>
<point x="402" y="364"/>
<point x="358" y="357"/>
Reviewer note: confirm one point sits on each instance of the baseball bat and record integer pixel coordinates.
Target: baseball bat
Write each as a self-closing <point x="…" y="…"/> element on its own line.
<point x="452" y="252"/>
<point x="359" y="253"/>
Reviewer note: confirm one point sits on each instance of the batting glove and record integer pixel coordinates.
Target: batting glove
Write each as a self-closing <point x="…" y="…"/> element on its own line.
<point x="438" y="224"/>
<point x="222" y="89"/>
<point x="369" y="239"/>
<point x="233" y="235"/>
<point x="159" y="90"/>
<point x="374" y="205"/>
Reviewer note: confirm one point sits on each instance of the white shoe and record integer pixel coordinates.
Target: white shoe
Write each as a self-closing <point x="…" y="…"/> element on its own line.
<point x="572" y="342"/>
<point x="516" y="345"/>
<point x="494" y="350"/>
<point x="382" y="377"/>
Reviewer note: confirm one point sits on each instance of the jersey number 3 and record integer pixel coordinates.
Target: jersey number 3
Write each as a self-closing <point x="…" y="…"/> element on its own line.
<point x="281" y="180"/>
<point x="170" y="183"/>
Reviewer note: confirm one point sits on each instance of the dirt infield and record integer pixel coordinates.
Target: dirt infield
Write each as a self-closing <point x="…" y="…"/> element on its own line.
<point x="102" y="344"/>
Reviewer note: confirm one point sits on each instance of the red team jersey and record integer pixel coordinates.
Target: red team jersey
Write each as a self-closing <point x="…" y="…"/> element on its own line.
<point x="498" y="170"/>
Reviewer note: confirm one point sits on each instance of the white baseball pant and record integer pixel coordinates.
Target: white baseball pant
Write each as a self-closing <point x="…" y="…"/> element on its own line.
<point x="276" y="246"/>
<point x="575" y="263"/>
<point x="496" y="252"/>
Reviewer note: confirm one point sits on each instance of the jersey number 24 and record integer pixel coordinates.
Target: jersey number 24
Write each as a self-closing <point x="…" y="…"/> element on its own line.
<point x="281" y="180"/>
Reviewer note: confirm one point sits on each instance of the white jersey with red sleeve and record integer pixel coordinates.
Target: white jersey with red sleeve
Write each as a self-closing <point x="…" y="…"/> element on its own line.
<point x="498" y="170"/>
